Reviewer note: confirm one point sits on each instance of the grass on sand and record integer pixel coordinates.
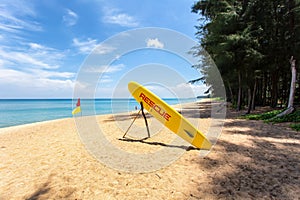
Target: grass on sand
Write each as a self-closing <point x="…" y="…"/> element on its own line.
<point x="270" y="117"/>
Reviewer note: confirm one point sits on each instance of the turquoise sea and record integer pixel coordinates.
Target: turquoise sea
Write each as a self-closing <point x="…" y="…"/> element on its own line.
<point x="23" y="111"/>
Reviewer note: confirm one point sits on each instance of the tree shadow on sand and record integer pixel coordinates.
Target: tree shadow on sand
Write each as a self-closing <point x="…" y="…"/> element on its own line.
<point x="261" y="129"/>
<point x="40" y="192"/>
<point x="46" y="191"/>
<point x="268" y="169"/>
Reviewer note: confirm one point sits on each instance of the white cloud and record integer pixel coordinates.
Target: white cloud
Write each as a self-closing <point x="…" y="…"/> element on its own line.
<point x="189" y="90"/>
<point x="103" y="49"/>
<point x="182" y="90"/>
<point x="70" y="18"/>
<point x="91" y="46"/>
<point x="27" y="68"/>
<point x="85" y="47"/>
<point x="37" y="56"/>
<point x="51" y="74"/>
<point x="16" y="16"/>
<point x="35" y="46"/>
<point x="32" y="77"/>
<point x="105" y="69"/>
<point x="56" y="84"/>
<point x="31" y="85"/>
<point x="31" y="70"/>
<point x="105" y="79"/>
<point x="154" y="43"/>
<point x="13" y="76"/>
<point x="115" y="16"/>
<point x="82" y="86"/>
<point x="25" y="58"/>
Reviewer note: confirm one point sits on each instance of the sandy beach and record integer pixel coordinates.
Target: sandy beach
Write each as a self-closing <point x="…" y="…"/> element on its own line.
<point x="251" y="160"/>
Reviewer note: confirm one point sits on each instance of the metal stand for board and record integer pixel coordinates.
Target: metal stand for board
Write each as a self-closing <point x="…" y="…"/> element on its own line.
<point x="142" y="109"/>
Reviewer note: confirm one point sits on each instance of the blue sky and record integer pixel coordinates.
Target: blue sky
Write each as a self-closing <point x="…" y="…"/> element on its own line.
<point x="44" y="43"/>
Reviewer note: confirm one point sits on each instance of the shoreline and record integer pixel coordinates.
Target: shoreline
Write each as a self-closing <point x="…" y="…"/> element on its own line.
<point x="28" y="125"/>
<point x="64" y="118"/>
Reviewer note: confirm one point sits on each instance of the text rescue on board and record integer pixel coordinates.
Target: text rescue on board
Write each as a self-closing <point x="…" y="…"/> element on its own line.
<point x="155" y="107"/>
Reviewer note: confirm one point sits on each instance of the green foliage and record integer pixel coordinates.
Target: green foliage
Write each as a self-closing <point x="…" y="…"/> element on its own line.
<point x="293" y="117"/>
<point x="244" y="37"/>
<point x="295" y="127"/>
<point x="271" y="117"/>
<point x="263" y="116"/>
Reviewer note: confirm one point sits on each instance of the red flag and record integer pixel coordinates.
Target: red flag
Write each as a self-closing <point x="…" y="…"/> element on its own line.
<point x="78" y="102"/>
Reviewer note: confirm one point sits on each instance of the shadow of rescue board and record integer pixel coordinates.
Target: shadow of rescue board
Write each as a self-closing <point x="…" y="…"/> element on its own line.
<point x="168" y="116"/>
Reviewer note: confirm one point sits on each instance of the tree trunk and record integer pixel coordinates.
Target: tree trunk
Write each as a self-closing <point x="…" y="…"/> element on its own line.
<point x="290" y="107"/>
<point x="231" y="93"/>
<point x="293" y="83"/>
<point x="253" y="95"/>
<point x="240" y="92"/>
<point x="274" y="89"/>
<point x="249" y="100"/>
<point x="264" y="89"/>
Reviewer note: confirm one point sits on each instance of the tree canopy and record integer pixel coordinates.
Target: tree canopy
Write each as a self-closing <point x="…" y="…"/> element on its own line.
<point x="251" y="42"/>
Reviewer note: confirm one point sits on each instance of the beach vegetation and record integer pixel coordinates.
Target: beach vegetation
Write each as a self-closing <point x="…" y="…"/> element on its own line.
<point x="271" y="117"/>
<point x="295" y="126"/>
<point x="263" y="116"/>
<point x="293" y="117"/>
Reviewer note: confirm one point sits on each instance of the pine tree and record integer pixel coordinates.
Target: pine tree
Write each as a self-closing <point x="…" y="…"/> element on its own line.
<point x="251" y="42"/>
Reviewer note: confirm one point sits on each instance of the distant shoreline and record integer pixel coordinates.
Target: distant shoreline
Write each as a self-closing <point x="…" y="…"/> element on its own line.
<point x="66" y="117"/>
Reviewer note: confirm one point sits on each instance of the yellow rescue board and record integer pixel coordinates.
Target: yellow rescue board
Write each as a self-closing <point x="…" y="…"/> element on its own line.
<point x="168" y="116"/>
